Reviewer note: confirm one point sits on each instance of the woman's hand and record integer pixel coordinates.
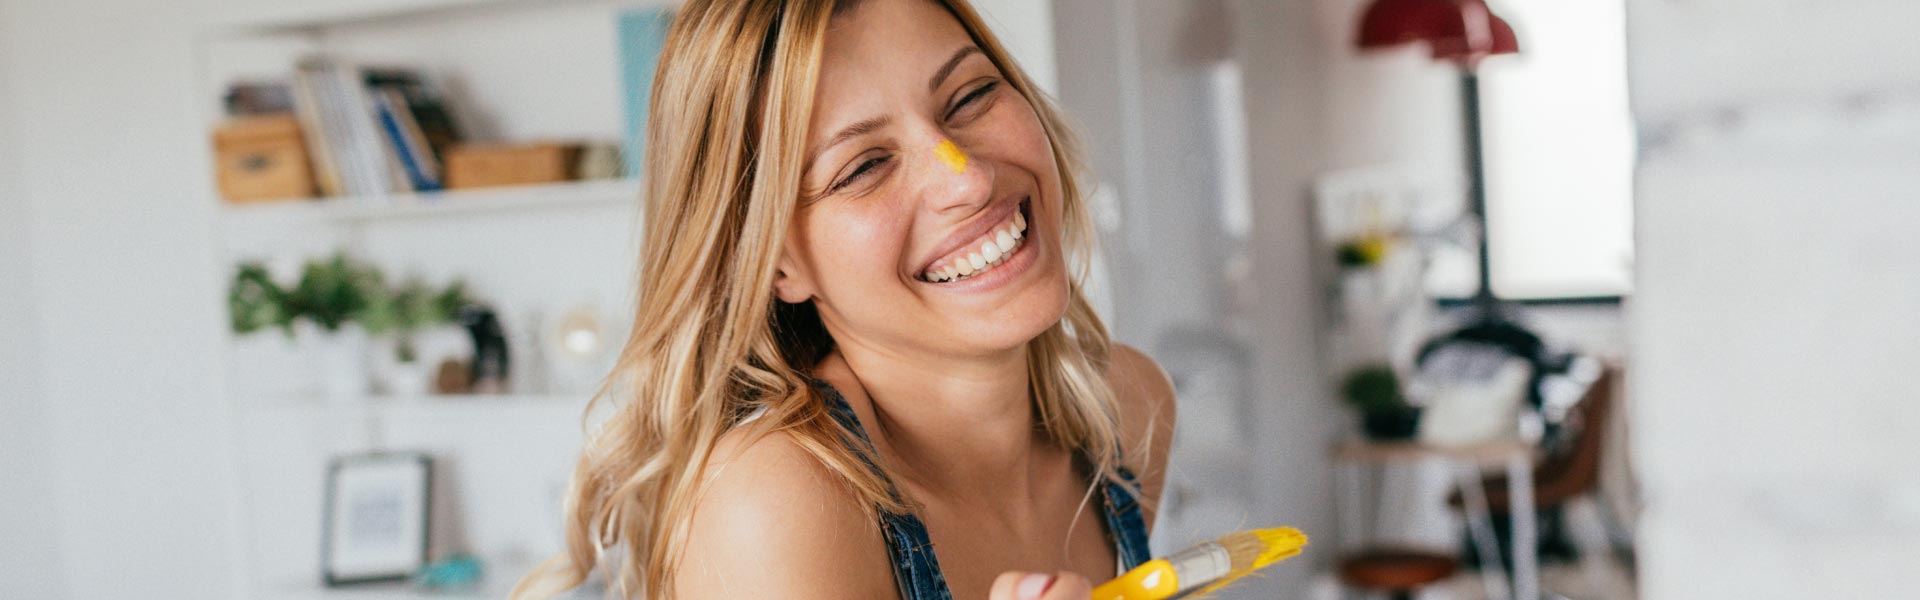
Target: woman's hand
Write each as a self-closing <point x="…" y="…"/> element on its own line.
<point x="1014" y="585"/>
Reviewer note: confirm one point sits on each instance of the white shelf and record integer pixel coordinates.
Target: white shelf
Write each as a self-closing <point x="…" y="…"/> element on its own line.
<point x="385" y="404"/>
<point x="379" y="591"/>
<point x="496" y="584"/>
<point x="314" y="17"/>
<point x="425" y="205"/>
<point x="400" y="591"/>
<point x="526" y="70"/>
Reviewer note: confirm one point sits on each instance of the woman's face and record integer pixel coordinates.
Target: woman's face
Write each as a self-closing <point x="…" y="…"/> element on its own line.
<point x="930" y="212"/>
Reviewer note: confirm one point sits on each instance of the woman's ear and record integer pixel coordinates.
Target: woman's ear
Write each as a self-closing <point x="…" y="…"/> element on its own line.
<point x="790" y="284"/>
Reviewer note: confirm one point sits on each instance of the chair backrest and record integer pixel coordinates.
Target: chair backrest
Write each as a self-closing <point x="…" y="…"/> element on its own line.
<point x="1577" y="469"/>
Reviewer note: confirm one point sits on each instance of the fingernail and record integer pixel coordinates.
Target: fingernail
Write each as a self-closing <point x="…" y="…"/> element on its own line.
<point x="1032" y="586"/>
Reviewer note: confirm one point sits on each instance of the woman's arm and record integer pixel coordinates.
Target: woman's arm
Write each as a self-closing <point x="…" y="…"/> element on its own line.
<point x="775" y="523"/>
<point x="1146" y="399"/>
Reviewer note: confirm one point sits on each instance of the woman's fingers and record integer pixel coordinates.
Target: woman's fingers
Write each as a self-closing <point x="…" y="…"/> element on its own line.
<point x="1014" y="585"/>
<point x="1069" y="586"/>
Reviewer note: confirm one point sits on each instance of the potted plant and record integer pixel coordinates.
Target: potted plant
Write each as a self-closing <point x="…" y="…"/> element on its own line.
<point x="1374" y="391"/>
<point x="342" y="302"/>
<point x="404" y="312"/>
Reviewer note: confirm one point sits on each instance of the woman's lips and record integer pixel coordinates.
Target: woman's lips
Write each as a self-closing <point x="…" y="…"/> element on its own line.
<point x="983" y="253"/>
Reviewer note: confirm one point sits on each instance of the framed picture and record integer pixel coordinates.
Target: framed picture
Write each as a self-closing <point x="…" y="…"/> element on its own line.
<point x="376" y="517"/>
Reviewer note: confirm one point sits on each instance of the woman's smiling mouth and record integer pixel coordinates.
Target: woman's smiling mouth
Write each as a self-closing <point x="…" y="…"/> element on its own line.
<point x="983" y="253"/>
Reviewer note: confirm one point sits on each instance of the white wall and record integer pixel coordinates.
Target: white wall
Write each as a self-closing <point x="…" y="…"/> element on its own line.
<point x="112" y="191"/>
<point x="1025" y="27"/>
<point x="29" y="560"/>
<point x="1149" y="87"/>
<point x="1387" y="107"/>
<point x="1283" y="52"/>
<point x="1777" y="312"/>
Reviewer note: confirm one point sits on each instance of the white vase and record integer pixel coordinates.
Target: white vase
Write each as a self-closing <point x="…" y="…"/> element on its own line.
<point x="404" y="380"/>
<point x="342" y="361"/>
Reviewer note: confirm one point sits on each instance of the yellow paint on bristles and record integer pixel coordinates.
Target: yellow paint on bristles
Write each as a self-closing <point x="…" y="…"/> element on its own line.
<point x="1246" y="552"/>
<point x="1255" y="549"/>
<point x="952" y="155"/>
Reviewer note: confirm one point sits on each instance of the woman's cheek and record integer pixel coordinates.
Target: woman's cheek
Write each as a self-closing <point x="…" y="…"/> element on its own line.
<point x="865" y="246"/>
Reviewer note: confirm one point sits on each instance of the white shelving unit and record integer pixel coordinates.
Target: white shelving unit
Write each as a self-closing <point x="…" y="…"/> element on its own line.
<point x="513" y="70"/>
<point x="428" y="205"/>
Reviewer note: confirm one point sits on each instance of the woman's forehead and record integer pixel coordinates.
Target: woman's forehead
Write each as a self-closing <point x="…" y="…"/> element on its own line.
<point x="889" y="37"/>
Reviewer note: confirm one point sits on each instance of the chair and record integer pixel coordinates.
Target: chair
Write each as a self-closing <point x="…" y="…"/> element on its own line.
<point x="1398" y="572"/>
<point x="1566" y="474"/>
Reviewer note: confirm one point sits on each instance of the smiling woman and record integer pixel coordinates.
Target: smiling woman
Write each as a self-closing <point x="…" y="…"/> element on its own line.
<point x="862" y="365"/>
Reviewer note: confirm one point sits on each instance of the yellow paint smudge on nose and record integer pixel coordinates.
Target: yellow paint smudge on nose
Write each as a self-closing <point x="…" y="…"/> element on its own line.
<point x="952" y="155"/>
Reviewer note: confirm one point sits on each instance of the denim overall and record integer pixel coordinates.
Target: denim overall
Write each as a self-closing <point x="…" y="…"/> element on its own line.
<point x="915" y="569"/>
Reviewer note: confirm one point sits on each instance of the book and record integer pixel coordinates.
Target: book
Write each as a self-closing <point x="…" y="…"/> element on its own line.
<point x="406" y="146"/>
<point x="418" y="141"/>
<point x="342" y="125"/>
<point x="306" y="105"/>
<point x="424" y="109"/>
<point x="373" y="131"/>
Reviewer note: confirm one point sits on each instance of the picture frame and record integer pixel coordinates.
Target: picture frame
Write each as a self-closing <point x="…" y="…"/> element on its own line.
<point x="376" y="517"/>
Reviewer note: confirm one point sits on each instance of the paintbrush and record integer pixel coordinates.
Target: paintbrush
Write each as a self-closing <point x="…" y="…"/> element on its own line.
<point x="1206" y="567"/>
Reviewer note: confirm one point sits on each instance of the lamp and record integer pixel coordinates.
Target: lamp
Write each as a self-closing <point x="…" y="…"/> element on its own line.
<point x="1464" y="32"/>
<point x="1461" y="32"/>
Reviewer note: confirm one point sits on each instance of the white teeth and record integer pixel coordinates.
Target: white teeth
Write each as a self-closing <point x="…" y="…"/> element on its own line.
<point x="990" y="251"/>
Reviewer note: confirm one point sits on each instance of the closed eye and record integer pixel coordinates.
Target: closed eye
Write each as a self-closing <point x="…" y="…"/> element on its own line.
<point x="976" y="94"/>
<point x="859" y="172"/>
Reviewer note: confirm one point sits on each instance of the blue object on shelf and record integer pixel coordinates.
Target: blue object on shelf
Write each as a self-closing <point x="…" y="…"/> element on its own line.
<point x="452" y="574"/>
<point x="643" y="33"/>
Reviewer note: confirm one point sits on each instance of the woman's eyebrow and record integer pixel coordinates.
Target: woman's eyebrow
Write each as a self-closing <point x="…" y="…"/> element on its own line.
<point x="933" y="85"/>
<point x="859" y="128"/>
<point x="871" y="124"/>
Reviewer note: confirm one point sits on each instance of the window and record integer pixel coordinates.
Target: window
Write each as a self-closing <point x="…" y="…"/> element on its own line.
<point x="1559" y="151"/>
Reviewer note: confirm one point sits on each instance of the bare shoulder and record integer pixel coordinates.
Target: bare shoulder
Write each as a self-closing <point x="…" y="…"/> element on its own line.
<point x="1147" y="411"/>
<point x="776" y="523"/>
<point x="1145" y="395"/>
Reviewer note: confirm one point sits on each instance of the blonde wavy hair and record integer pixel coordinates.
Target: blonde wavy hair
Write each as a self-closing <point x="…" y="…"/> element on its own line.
<point x="710" y="343"/>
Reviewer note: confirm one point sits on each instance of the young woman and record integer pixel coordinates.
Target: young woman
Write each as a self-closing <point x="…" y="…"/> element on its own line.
<point x="862" y="364"/>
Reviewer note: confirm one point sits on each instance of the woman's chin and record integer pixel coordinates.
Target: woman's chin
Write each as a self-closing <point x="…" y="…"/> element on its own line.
<point x="1011" y="325"/>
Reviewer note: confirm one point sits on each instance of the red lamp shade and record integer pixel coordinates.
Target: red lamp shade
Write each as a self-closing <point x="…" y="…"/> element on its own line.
<point x="1462" y="31"/>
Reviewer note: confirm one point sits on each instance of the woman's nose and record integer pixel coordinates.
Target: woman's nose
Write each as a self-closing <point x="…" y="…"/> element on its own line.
<point x="952" y="181"/>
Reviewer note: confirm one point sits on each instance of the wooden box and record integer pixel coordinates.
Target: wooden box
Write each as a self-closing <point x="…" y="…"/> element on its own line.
<point x="262" y="158"/>
<point x="472" y="166"/>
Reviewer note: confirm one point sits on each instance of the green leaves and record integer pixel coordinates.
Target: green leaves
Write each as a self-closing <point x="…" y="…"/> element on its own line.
<point x="1373" y="389"/>
<point x="412" y="306"/>
<point x="337" y="291"/>
<point x="255" y="303"/>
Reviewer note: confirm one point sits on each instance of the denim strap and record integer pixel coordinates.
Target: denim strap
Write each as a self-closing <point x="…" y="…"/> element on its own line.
<point x="915" y="569"/>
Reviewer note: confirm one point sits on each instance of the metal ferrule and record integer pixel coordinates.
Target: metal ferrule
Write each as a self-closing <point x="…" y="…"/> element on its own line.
<point x="1200" y="565"/>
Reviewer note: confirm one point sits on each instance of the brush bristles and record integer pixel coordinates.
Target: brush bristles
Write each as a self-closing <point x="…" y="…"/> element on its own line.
<point x="1250" y="550"/>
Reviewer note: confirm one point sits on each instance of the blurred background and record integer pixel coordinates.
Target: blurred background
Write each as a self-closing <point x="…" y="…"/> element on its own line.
<point x="1515" y="299"/>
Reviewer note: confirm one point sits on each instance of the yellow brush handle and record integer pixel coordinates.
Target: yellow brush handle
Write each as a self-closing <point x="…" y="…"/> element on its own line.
<point x="1153" y="580"/>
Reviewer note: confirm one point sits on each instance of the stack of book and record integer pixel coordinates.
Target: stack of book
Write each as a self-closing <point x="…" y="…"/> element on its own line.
<point x="371" y="132"/>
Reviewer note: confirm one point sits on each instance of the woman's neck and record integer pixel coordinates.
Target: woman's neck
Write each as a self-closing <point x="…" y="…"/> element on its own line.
<point x="953" y="427"/>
